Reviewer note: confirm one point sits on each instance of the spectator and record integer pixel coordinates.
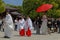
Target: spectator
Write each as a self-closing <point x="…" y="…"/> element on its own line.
<point x="49" y="24"/>
<point x="16" y="24"/>
<point x="0" y="23"/>
<point x="58" y="23"/>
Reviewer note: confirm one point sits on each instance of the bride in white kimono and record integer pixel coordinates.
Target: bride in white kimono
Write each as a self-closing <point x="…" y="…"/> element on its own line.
<point x="44" y="28"/>
<point x="8" y="25"/>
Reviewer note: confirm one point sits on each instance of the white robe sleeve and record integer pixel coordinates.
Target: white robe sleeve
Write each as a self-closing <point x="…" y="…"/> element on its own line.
<point x="30" y="24"/>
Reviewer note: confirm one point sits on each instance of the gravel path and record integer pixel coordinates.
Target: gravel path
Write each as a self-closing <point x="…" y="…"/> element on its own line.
<point x="53" y="36"/>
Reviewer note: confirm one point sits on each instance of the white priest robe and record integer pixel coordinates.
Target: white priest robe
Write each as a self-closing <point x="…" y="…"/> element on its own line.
<point x="8" y="25"/>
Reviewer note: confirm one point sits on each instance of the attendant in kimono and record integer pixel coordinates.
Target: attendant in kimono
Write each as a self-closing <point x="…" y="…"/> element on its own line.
<point x="23" y="21"/>
<point x="44" y="28"/>
<point x="8" y="25"/>
<point x="28" y="23"/>
<point x="20" y="23"/>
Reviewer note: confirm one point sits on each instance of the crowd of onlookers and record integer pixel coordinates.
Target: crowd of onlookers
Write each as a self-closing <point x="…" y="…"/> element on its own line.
<point x="53" y="24"/>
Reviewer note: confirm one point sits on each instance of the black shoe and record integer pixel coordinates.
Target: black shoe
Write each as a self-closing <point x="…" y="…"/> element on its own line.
<point x="6" y="37"/>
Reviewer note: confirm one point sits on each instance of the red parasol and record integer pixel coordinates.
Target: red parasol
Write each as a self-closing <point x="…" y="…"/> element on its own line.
<point x="44" y="7"/>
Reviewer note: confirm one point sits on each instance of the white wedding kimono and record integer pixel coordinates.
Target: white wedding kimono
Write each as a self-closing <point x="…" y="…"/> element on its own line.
<point x="28" y="23"/>
<point x="8" y="25"/>
<point x="44" y="28"/>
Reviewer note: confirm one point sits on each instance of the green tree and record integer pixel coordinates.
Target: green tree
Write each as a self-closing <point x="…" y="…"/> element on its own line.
<point x="29" y="7"/>
<point x="2" y="6"/>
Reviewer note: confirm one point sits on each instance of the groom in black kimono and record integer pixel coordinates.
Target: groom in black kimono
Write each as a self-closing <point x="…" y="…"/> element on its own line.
<point x="38" y="25"/>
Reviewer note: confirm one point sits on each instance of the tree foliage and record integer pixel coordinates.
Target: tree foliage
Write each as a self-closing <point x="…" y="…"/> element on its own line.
<point x="29" y="7"/>
<point x="2" y="6"/>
